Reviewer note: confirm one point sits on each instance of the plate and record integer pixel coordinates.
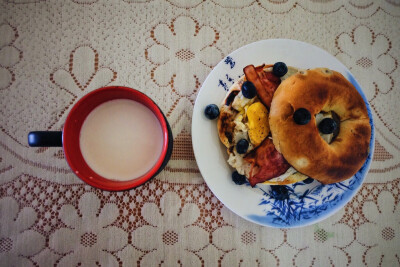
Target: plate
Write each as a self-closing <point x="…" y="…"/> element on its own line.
<point x="295" y="205"/>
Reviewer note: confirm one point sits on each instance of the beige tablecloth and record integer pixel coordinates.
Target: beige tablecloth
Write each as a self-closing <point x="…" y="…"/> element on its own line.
<point x="54" y="52"/>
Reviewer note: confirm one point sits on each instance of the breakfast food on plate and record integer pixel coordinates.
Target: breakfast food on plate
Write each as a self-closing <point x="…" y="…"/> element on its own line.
<point x="243" y="127"/>
<point x="281" y="125"/>
<point x="332" y="144"/>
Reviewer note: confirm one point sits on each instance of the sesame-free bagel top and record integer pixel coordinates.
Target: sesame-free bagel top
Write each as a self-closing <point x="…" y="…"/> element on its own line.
<point x="320" y="90"/>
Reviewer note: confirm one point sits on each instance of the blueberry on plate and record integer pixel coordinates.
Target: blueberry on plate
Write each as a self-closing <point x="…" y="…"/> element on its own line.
<point x="301" y="116"/>
<point x="211" y="111"/>
<point x="279" y="69"/>
<point x="279" y="192"/>
<point x="327" y="126"/>
<point x="248" y="90"/>
<point x="309" y="180"/>
<point x="238" y="178"/>
<point x="242" y="146"/>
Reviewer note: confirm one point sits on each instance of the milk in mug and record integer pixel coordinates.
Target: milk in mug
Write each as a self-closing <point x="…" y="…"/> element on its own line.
<point x="121" y="139"/>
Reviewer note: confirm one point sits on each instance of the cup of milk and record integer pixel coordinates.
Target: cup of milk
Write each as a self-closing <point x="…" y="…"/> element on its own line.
<point x="114" y="138"/>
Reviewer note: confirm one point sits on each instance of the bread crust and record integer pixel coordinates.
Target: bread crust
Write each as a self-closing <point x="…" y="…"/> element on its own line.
<point x="321" y="90"/>
<point x="225" y="123"/>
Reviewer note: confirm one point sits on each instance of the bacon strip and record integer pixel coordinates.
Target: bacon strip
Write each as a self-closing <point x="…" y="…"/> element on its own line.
<point x="267" y="161"/>
<point x="266" y="83"/>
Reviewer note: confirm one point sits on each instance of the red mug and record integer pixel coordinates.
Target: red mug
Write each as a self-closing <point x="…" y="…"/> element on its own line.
<point x="69" y="137"/>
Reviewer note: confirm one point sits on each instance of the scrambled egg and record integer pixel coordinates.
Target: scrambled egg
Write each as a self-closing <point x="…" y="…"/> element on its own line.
<point x="241" y="103"/>
<point x="251" y="121"/>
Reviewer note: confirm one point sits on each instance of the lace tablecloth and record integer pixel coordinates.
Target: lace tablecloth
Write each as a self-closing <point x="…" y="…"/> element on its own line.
<point x="54" y="52"/>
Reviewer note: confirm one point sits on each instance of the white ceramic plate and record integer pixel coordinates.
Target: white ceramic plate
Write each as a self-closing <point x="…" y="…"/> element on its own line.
<point x="296" y="205"/>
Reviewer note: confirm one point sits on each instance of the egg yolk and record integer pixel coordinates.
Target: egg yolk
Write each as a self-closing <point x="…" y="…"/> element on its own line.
<point x="257" y="116"/>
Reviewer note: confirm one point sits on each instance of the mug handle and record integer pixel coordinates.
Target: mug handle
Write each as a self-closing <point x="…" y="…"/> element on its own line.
<point x="45" y="139"/>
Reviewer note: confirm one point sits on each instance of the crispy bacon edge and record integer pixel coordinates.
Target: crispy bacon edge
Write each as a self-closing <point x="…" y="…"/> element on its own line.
<point x="267" y="161"/>
<point x="266" y="83"/>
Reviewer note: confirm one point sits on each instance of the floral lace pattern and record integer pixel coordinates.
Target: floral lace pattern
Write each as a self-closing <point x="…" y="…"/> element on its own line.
<point x="246" y="238"/>
<point x="185" y="46"/>
<point x="9" y="55"/>
<point x="115" y="227"/>
<point x="17" y="241"/>
<point x="322" y="244"/>
<point x="172" y="226"/>
<point x="381" y="236"/>
<point x="52" y="53"/>
<point x="88" y="232"/>
<point x="368" y="52"/>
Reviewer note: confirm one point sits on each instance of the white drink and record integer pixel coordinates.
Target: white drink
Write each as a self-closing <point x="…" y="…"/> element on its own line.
<point x="121" y="139"/>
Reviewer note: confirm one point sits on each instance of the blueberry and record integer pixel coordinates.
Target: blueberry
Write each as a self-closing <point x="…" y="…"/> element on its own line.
<point x="309" y="180"/>
<point x="301" y="116"/>
<point x="279" y="192"/>
<point x="211" y="111"/>
<point x="242" y="146"/>
<point x="327" y="126"/>
<point x="249" y="90"/>
<point x="279" y="69"/>
<point x="238" y="179"/>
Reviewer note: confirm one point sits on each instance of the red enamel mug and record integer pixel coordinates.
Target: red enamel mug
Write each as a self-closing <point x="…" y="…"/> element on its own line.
<point x="69" y="137"/>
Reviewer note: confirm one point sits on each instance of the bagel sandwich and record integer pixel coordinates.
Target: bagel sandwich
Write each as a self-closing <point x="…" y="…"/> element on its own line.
<point x="298" y="124"/>
<point x="244" y="116"/>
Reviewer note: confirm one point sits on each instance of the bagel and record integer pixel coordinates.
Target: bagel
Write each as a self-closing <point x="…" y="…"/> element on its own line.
<point x="321" y="91"/>
<point x="233" y="125"/>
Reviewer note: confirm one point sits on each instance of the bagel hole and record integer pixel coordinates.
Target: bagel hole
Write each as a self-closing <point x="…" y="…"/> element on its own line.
<point x="329" y="138"/>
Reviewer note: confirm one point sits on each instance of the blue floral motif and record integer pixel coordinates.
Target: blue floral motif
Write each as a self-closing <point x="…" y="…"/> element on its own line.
<point x="227" y="79"/>
<point x="294" y="205"/>
<point x="223" y="84"/>
<point x="229" y="61"/>
<point x="231" y="80"/>
<point x="309" y="201"/>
